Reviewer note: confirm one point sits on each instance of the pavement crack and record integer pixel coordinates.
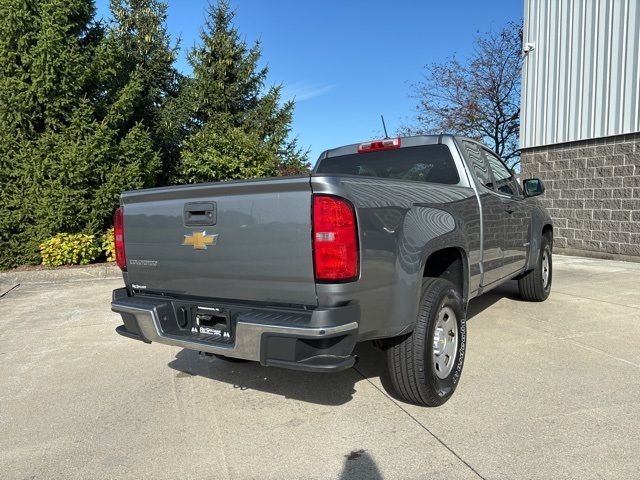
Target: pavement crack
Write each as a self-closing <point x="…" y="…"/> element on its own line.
<point x="598" y="350"/>
<point x="421" y="425"/>
<point x="595" y="300"/>
<point x="572" y="340"/>
<point x="9" y="290"/>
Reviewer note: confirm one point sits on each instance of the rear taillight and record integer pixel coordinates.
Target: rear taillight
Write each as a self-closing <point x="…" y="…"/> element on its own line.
<point x="377" y="145"/>
<point x="335" y="239"/>
<point x="118" y="234"/>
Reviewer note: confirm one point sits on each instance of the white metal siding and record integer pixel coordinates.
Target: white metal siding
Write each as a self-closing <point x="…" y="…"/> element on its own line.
<point x="582" y="80"/>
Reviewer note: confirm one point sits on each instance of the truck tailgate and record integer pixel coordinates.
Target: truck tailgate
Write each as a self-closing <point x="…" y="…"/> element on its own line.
<point x="248" y="241"/>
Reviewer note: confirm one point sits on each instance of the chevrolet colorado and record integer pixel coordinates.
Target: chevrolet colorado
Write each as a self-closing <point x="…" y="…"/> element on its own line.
<point x="384" y="241"/>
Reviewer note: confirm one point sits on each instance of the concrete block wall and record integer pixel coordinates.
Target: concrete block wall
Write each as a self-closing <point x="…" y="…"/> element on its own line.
<point x="592" y="193"/>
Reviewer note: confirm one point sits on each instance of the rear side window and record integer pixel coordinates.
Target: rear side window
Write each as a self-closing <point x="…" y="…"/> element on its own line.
<point x="478" y="164"/>
<point x="505" y="181"/>
<point x="426" y="163"/>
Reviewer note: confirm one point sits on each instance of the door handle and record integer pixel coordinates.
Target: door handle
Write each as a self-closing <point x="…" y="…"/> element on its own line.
<point x="509" y="209"/>
<point x="200" y="214"/>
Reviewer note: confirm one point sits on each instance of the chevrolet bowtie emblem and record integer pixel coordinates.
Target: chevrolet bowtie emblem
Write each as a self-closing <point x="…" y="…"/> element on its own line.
<point x="200" y="240"/>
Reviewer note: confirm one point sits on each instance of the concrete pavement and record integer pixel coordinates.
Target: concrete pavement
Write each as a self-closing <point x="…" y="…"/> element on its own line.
<point x="549" y="390"/>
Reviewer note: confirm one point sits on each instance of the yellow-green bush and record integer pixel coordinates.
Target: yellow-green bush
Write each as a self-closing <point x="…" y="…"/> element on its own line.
<point x="109" y="245"/>
<point x="69" y="249"/>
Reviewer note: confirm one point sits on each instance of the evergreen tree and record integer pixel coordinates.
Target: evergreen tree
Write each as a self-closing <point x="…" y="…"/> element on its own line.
<point x="233" y="128"/>
<point x="62" y="165"/>
<point x="45" y="49"/>
<point x="136" y="67"/>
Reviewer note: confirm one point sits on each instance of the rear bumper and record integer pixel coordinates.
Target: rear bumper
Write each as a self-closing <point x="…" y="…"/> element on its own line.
<point x="312" y="340"/>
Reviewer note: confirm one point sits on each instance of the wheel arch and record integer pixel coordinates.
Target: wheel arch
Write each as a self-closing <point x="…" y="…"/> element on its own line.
<point x="541" y="225"/>
<point x="547" y="230"/>
<point x="449" y="263"/>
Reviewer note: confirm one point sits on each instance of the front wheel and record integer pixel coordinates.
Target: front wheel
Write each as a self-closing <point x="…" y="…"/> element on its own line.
<point x="425" y="365"/>
<point x="535" y="285"/>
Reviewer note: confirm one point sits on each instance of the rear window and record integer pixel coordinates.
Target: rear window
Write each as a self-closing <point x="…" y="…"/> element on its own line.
<point x="426" y="163"/>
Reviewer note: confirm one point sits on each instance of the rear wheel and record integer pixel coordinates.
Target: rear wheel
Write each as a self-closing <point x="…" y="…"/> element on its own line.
<point x="535" y="285"/>
<point x="425" y="365"/>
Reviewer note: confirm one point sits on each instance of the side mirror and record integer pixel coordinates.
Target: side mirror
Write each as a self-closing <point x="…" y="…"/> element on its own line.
<point x="533" y="187"/>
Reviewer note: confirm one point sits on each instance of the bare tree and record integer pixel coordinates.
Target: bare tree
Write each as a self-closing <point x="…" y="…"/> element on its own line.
<point x="478" y="97"/>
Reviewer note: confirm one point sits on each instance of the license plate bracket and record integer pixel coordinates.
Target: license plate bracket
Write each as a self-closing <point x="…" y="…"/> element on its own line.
<point x="212" y="321"/>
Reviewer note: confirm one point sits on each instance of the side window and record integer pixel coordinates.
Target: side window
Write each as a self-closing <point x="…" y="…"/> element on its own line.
<point x="505" y="181"/>
<point x="478" y="164"/>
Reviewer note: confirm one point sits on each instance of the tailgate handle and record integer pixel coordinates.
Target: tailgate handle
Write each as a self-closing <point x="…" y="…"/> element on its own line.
<point x="200" y="214"/>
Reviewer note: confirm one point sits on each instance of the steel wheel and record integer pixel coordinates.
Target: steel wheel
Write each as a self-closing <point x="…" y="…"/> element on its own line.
<point x="545" y="269"/>
<point x="445" y="342"/>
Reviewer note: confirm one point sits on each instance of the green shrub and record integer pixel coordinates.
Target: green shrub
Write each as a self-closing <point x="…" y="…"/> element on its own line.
<point x="69" y="249"/>
<point x="109" y="245"/>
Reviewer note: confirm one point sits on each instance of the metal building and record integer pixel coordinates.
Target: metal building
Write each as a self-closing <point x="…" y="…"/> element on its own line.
<point x="580" y="120"/>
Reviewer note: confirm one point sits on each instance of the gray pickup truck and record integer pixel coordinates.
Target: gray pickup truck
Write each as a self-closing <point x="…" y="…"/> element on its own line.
<point x="385" y="241"/>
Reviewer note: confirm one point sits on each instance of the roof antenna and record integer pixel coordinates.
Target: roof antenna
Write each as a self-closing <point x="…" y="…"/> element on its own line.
<point x="386" y="135"/>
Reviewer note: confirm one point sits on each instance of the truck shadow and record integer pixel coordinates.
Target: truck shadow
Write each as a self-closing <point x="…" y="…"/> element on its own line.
<point x="479" y="304"/>
<point x="319" y="388"/>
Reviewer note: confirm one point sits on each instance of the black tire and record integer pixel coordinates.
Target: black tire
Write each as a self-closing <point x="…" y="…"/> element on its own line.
<point x="411" y="359"/>
<point x="230" y="359"/>
<point x="532" y="285"/>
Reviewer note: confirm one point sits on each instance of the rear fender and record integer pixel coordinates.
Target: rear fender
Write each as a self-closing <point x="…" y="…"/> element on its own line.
<point x="426" y="230"/>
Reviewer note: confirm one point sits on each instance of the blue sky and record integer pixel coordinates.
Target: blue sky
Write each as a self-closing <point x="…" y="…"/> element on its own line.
<point x="346" y="62"/>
